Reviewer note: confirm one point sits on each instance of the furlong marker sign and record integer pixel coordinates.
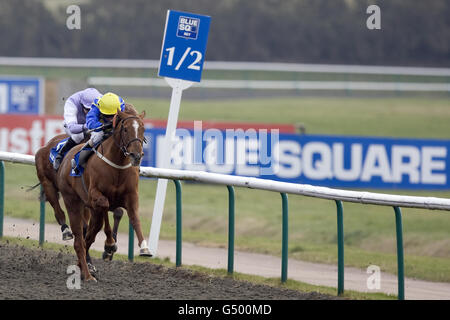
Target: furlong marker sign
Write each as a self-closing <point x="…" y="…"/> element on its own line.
<point x="184" y="46"/>
<point x="181" y="63"/>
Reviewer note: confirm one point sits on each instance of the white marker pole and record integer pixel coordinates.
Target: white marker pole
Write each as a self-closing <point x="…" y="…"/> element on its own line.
<point x="177" y="89"/>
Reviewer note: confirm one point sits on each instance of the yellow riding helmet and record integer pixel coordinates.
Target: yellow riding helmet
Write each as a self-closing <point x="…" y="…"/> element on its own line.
<point x="109" y="103"/>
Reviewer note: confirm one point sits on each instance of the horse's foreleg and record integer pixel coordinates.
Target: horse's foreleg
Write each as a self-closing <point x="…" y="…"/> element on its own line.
<point x="118" y="213"/>
<point x="95" y="225"/>
<point x="110" y="242"/>
<point x="100" y="205"/>
<point x="80" y="249"/>
<point x="76" y="223"/>
<point x="132" y="206"/>
<point x="86" y="219"/>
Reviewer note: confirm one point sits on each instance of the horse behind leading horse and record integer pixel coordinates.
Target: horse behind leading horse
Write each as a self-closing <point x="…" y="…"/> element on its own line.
<point x="110" y="181"/>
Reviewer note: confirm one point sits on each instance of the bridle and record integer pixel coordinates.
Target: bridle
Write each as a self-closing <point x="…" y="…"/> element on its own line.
<point x="122" y="146"/>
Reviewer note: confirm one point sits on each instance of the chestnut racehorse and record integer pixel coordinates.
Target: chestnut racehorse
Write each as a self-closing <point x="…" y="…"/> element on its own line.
<point x="110" y="181"/>
<point x="47" y="178"/>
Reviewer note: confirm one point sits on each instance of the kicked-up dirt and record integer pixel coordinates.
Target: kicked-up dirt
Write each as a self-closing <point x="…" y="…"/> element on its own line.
<point x="35" y="273"/>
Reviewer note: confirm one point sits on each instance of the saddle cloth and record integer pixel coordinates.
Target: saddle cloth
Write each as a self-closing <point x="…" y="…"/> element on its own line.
<point x="54" y="151"/>
<point x="78" y="170"/>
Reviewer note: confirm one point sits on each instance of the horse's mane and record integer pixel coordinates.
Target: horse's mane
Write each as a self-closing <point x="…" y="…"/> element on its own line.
<point x="130" y="109"/>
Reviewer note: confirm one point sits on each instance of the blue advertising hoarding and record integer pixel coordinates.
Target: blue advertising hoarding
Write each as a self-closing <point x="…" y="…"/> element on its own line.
<point x="21" y="95"/>
<point x="331" y="161"/>
<point x="184" y="46"/>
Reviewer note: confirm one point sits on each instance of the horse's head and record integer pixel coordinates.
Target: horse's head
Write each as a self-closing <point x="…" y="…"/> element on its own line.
<point x="129" y="135"/>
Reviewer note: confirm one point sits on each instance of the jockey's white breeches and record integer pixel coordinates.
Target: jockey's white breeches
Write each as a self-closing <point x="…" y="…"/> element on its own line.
<point x="77" y="137"/>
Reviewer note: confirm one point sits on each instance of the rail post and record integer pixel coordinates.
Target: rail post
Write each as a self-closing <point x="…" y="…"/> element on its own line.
<point x="2" y="196"/>
<point x="42" y="219"/>
<point x="284" y="246"/>
<point x="230" y="229"/>
<point x="179" y="224"/>
<point x="340" y="239"/>
<point x="400" y="259"/>
<point x="130" y="242"/>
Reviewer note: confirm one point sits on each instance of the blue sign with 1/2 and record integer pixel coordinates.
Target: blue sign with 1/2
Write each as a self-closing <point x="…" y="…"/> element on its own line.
<point x="184" y="45"/>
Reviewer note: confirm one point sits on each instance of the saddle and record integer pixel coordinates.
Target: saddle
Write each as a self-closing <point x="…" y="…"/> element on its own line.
<point x="77" y="165"/>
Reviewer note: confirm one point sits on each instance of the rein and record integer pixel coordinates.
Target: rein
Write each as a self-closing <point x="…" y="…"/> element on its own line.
<point x="122" y="146"/>
<point x="112" y="164"/>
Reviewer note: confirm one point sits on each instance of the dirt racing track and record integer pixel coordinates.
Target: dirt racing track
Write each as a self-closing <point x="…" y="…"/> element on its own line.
<point x="27" y="273"/>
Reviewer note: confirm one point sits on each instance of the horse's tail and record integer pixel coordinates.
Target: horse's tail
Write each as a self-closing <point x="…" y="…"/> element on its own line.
<point x="41" y="193"/>
<point x="32" y="187"/>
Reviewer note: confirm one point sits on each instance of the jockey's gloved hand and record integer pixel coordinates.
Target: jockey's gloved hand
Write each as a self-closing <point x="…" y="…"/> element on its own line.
<point x="96" y="137"/>
<point x="107" y="125"/>
<point x="85" y="128"/>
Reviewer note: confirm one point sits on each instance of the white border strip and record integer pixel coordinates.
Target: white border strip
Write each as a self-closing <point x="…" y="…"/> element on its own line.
<point x="431" y="203"/>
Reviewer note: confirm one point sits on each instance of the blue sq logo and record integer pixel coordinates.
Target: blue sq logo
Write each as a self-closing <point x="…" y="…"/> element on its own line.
<point x="188" y="27"/>
<point x="184" y="45"/>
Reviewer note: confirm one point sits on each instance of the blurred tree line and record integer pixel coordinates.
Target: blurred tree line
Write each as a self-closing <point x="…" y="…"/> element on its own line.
<point x="413" y="32"/>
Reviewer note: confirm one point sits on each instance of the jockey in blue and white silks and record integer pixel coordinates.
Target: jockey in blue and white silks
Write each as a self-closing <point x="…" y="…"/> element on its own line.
<point x="102" y="112"/>
<point x="98" y="120"/>
<point x="75" y="110"/>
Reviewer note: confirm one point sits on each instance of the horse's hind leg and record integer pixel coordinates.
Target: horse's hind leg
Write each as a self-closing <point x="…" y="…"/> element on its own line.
<point x="51" y="195"/>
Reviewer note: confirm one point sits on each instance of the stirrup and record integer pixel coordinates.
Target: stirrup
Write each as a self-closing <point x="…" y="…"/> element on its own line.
<point x="57" y="162"/>
<point x="74" y="167"/>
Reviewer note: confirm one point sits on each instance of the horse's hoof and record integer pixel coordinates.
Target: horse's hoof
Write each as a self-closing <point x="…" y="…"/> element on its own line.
<point x="92" y="269"/>
<point x="144" y="252"/>
<point x="111" y="249"/>
<point x="91" y="279"/>
<point x="107" y="256"/>
<point x="67" y="234"/>
<point x="109" y="252"/>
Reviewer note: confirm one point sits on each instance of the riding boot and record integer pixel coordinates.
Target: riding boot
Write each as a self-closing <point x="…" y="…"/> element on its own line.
<point x="67" y="146"/>
<point x="84" y="156"/>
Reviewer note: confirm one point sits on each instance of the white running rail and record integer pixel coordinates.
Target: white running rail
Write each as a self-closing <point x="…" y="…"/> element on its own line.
<point x="431" y="203"/>
<point x="277" y="85"/>
<point x="226" y="65"/>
